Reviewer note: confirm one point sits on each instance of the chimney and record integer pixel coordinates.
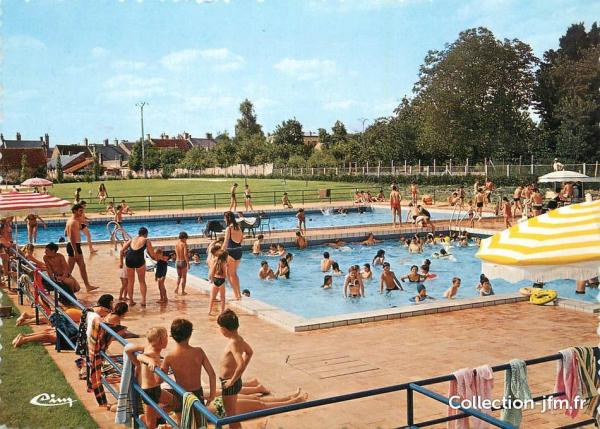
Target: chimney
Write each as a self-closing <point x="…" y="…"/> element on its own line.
<point x="187" y="135"/>
<point x="47" y="140"/>
<point x="147" y="136"/>
<point x="116" y="142"/>
<point x="18" y="136"/>
<point x="209" y="136"/>
<point x="105" y="142"/>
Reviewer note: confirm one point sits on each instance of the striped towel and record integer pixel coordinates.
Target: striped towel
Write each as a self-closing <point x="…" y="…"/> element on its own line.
<point x="124" y="409"/>
<point x="588" y="376"/>
<point x="189" y="418"/>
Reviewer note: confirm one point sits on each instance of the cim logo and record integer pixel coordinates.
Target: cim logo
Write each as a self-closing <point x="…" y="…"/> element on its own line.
<point x="50" y="400"/>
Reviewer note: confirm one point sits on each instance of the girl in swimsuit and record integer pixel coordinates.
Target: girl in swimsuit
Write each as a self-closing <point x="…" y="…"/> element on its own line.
<point x="233" y="245"/>
<point x="283" y="270"/>
<point x="217" y="275"/>
<point x="102" y="194"/>
<point x="133" y="254"/>
<point x="379" y="258"/>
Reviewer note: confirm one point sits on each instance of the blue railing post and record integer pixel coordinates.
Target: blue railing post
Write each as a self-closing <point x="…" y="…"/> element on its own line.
<point x="19" y="286"/>
<point x="135" y="401"/>
<point x="57" y="316"/>
<point x="410" y="417"/>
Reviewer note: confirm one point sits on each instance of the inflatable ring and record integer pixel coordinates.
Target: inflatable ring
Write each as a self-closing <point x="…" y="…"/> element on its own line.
<point x="527" y="291"/>
<point x="431" y="276"/>
<point x="543" y="296"/>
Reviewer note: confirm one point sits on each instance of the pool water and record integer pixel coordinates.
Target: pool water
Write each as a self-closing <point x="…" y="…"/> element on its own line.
<point x="171" y="227"/>
<point x="302" y="293"/>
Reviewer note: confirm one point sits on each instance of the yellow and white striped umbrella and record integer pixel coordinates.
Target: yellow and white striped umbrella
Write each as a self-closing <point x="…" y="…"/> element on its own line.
<point x="561" y="244"/>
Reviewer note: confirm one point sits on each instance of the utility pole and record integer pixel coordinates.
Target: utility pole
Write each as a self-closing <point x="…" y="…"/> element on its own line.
<point x="141" y="105"/>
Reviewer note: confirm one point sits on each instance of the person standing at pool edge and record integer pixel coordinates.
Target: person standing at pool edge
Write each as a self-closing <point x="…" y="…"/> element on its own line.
<point x="395" y="200"/>
<point x="135" y="261"/>
<point x="233" y="244"/>
<point x="248" y="198"/>
<point x="181" y="262"/>
<point x="73" y="233"/>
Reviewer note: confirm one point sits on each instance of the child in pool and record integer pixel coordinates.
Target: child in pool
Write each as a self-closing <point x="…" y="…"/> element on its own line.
<point x="272" y="250"/>
<point x="327" y="282"/>
<point x="366" y="273"/>
<point x="335" y="268"/>
<point x="422" y="294"/>
<point x="281" y="250"/>
<point x="265" y="272"/>
<point x="256" y="250"/>
<point x="388" y="280"/>
<point x="379" y="258"/>
<point x="326" y="262"/>
<point x="453" y="290"/>
<point x="283" y="269"/>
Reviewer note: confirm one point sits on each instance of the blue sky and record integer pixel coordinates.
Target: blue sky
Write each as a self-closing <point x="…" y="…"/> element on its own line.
<point x="76" y="69"/>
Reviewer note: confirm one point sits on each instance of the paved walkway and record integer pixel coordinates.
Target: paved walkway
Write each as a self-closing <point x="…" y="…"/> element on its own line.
<point x="346" y="359"/>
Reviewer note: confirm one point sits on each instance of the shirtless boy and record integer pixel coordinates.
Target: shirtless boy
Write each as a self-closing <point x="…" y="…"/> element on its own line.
<point x="58" y="269"/>
<point x="187" y="362"/>
<point x="414" y="192"/>
<point x="301" y="240"/>
<point x="181" y="262"/>
<point x="235" y="360"/>
<point x="326" y="262"/>
<point x="395" y="200"/>
<point x="389" y="279"/>
<point x="479" y="201"/>
<point x="73" y="233"/>
<point x="150" y="381"/>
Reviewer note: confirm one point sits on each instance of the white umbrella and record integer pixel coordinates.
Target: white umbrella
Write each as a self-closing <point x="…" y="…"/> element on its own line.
<point x="566" y="176"/>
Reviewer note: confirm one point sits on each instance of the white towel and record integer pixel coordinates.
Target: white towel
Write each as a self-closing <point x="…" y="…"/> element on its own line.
<point x="90" y="321"/>
<point x="124" y="411"/>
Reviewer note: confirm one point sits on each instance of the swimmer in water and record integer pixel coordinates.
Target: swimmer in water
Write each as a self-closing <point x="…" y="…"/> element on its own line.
<point x="370" y="241"/>
<point x="388" y="280"/>
<point x="366" y="273"/>
<point x="379" y="258"/>
<point x="326" y="262"/>
<point x="327" y="282"/>
<point x="336" y="244"/>
<point x="413" y="276"/>
<point x="422" y="294"/>
<point x="453" y="290"/>
<point x="335" y="268"/>
<point x="265" y="272"/>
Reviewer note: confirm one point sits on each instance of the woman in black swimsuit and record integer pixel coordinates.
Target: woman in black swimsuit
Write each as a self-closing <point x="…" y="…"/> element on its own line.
<point x="233" y="244"/>
<point x="133" y="253"/>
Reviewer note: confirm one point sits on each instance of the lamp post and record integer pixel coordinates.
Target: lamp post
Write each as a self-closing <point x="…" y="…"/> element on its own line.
<point x="141" y="105"/>
<point x="363" y="120"/>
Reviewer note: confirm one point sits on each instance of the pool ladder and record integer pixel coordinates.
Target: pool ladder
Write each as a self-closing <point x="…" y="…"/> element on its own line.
<point x="118" y="235"/>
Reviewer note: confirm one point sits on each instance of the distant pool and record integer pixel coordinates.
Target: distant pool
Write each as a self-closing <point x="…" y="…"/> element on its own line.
<point x="303" y="296"/>
<point x="170" y="227"/>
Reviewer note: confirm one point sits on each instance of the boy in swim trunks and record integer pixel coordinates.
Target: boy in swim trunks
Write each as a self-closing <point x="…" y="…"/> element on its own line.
<point x="149" y="380"/>
<point x="479" y="201"/>
<point x="181" y="262"/>
<point x="187" y="362"/>
<point x="389" y="279"/>
<point x="235" y="361"/>
<point x="160" y="274"/>
<point x="395" y="201"/>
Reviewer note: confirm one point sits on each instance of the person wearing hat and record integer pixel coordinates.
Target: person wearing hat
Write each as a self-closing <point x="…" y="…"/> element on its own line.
<point x="557" y="165"/>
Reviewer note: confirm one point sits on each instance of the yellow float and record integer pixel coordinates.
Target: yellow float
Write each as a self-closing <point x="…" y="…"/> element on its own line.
<point x="543" y="296"/>
<point x="527" y="291"/>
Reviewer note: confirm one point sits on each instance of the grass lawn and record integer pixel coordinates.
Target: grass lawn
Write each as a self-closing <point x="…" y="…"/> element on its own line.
<point x="27" y="372"/>
<point x="206" y="192"/>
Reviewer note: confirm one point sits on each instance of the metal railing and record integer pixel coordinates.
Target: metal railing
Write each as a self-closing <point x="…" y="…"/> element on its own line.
<point x="215" y="200"/>
<point x="410" y="388"/>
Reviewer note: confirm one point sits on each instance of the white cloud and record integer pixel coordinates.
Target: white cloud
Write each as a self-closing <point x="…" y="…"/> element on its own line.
<point x="130" y="86"/>
<point x="24" y="43"/>
<point x="99" y="52"/>
<point x="127" y="65"/>
<point x="180" y="60"/>
<point x="306" y="69"/>
<point x="339" y="104"/>
<point x="221" y="59"/>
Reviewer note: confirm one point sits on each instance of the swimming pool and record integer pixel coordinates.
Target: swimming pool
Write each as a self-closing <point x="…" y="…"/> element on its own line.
<point x="170" y="227"/>
<point x="302" y="293"/>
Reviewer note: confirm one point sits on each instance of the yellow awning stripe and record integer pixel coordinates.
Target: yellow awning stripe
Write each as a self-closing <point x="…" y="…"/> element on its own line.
<point x="531" y="250"/>
<point x="562" y="260"/>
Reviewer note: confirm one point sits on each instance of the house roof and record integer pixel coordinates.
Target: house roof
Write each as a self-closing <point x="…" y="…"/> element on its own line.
<point x="11" y="157"/>
<point x="204" y="143"/>
<point x="23" y="144"/>
<point x="65" y="160"/>
<point x="127" y="146"/>
<point x="75" y="168"/>
<point x="109" y="152"/>
<point x="180" y="144"/>
<point x="70" y="149"/>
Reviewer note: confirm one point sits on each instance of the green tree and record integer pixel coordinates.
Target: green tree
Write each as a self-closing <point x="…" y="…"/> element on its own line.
<point x="60" y="176"/>
<point x="97" y="167"/>
<point x="196" y="158"/>
<point x="322" y="158"/>
<point x="288" y="140"/>
<point x="224" y="153"/>
<point x="247" y="126"/>
<point x="324" y="137"/>
<point x="151" y="155"/>
<point x="472" y="98"/>
<point x="567" y="95"/>
<point x="338" y="132"/>
<point x="252" y="150"/>
<point x="24" y="168"/>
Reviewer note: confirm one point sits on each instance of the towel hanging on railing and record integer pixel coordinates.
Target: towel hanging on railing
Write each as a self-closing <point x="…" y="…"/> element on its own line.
<point x="515" y="387"/>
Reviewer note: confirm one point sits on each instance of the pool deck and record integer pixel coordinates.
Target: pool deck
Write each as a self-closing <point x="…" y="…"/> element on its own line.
<point x="350" y="358"/>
